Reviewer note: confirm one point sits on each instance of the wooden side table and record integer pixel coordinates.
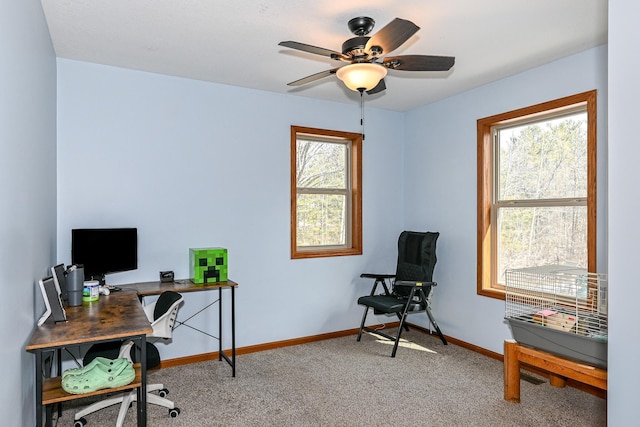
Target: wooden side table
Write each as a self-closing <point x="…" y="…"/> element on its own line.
<point x="559" y="369"/>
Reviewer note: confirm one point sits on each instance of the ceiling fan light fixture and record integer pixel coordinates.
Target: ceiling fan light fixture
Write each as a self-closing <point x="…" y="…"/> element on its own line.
<point x="361" y="76"/>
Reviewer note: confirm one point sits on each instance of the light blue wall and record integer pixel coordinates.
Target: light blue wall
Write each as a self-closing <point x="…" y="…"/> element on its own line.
<point x="624" y="205"/>
<point x="27" y="194"/>
<point x="440" y="161"/>
<point x="195" y="164"/>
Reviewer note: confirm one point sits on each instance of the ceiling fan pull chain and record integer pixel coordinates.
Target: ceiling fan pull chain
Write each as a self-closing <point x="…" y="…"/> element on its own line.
<point x="362" y="113"/>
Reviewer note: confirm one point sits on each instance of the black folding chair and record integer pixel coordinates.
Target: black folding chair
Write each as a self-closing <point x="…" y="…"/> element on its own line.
<point x="411" y="286"/>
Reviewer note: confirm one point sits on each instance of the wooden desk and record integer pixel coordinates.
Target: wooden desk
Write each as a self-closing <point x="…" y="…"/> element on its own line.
<point x="185" y="285"/>
<point x="115" y="317"/>
<point x="559" y="369"/>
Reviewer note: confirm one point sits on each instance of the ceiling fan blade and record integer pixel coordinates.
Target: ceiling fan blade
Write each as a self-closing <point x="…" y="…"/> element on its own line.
<point x="313" y="77"/>
<point x="391" y="36"/>
<point x="379" y="87"/>
<point x="311" y="49"/>
<point x="419" y="62"/>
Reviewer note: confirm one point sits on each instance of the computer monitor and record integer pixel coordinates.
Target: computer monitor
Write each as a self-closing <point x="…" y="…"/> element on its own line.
<point x="103" y="251"/>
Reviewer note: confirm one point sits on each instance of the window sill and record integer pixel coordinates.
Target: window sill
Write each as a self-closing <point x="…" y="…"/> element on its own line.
<point x="492" y="293"/>
<point x="328" y="253"/>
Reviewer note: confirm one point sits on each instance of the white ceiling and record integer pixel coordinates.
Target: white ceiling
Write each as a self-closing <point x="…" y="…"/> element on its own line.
<point x="235" y="42"/>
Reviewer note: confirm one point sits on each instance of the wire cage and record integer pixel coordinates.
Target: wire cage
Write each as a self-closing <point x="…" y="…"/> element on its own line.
<point x="559" y="309"/>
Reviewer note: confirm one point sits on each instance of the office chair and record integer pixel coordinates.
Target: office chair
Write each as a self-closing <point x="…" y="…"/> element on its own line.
<point x="411" y="286"/>
<point x="162" y="314"/>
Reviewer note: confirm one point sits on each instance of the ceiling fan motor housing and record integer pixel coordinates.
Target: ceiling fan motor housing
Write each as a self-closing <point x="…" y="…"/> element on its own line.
<point x="354" y="47"/>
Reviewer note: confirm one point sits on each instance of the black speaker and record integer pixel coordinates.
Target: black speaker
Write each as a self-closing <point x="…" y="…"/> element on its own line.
<point x="166" y="276"/>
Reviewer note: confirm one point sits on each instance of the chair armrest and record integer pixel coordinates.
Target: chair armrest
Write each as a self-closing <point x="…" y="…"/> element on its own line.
<point x="377" y="276"/>
<point x="408" y="283"/>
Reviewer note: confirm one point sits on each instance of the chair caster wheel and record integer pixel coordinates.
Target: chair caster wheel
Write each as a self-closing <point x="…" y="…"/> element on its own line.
<point x="174" y="412"/>
<point x="80" y="423"/>
<point x="163" y="393"/>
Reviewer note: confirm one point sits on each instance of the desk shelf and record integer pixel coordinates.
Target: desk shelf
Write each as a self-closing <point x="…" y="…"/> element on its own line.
<point x="52" y="391"/>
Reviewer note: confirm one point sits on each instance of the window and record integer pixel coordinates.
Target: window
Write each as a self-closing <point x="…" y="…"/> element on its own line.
<point x="326" y="193"/>
<point x="536" y="189"/>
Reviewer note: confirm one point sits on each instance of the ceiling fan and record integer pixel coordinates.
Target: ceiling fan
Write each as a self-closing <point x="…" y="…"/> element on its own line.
<point x="367" y="63"/>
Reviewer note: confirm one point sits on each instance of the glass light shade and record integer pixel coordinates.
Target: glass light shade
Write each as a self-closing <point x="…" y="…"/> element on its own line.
<point x="364" y="76"/>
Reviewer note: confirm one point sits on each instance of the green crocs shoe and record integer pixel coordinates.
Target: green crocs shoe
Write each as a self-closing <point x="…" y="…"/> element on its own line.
<point x="113" y="363"/>
<point x="98" y="378"/>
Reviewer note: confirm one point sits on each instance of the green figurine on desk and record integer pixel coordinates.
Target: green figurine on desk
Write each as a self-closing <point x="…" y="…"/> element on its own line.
<point x="208" y="265"/>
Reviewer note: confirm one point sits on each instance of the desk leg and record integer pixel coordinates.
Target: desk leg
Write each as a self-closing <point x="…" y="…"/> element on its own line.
<point x="39" y="388"/>
<point x="220" y="324"/>
<point x="59" y="373"/>
<point x="511" y="372"/>
<point x="49" y="418"/>
<point x="233" y="330"/>
<point x="221" y="354"/>
<point x="142" y="390"/>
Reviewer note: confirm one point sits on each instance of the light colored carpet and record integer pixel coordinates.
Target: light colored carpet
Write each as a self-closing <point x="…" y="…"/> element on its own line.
<point x="341" y="382"/>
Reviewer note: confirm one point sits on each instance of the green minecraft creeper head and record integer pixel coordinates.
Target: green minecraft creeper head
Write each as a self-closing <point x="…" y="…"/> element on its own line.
<point x="208" y="265"/>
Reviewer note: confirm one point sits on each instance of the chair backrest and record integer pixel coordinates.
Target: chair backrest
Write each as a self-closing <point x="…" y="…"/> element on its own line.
<point x="416" y="256"/>
<point x="164" y="303"/>
<point x="165" y="312"/>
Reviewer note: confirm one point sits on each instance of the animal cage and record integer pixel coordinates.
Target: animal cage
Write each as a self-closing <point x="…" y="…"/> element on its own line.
<point x="559" y="309"/>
